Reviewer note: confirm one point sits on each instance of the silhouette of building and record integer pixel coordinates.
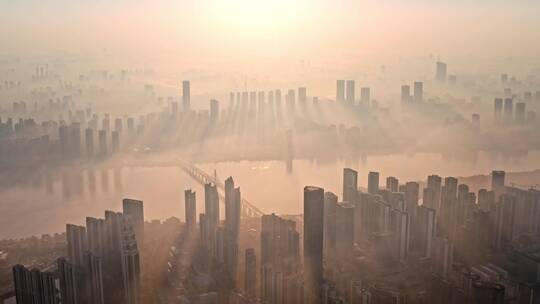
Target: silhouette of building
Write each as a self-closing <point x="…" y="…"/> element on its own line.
<point x="350" y="98"/>
<point x="190" y="208"/>
<point x="373" y="182"/>
<point x="186" y="96"/>
<point x="440" y="74"/>
<point x="340" y="91"/>
<point x="313" y="241"/>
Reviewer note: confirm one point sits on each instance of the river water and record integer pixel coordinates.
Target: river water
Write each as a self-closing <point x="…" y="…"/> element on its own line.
<point x="47" y="202"/>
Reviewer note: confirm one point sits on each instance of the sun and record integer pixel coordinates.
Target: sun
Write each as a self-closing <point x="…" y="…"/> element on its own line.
<point x="256" y="15"/>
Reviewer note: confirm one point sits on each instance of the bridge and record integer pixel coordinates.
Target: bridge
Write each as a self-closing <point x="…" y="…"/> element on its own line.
<point x="248" y="209"/>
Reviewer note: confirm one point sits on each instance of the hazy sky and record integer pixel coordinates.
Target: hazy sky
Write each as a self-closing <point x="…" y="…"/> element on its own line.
<point x="257" y="30"/>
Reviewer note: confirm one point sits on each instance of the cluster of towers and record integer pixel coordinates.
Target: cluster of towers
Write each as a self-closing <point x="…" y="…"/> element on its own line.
<point x="345" y="92"/>
<point x="102" y="264"/>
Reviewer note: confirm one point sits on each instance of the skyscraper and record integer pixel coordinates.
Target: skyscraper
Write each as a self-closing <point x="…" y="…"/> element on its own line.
<point x="89" y="142"/>
<point x="365" y="95"/>
<point x="251" y="273"/>
<point x="70" y="281"/>
<point x="405" y="93"/>
<point x="432" y="193"/>
<point x="134" y="209"/>
<point x="497" y="183"/>
<point x="440" y="74"/>
<point x="350" y="98"/>
<point x="93" y="278"/>
<point x="214" y="110"/>
<point x="313" y="241"/>
<point x="232" y="225"/>
<point x="76" y="243"/>
<point x="131" y="269"/>
<point x="508" y="110"/>
<point x="373" y="182"/>
<point x="344" y="231"/>
<point x="350" y="184"/>
<point x="497" y="108"/>
<point x="96" y="235"/>
<point x="302" y="96"/>
<point x="34" y="286"/>
<point x="340" y="90"/>
<point x="190" y="208"/>
<point x="418" y="91"/>
<point x="392" y="184"/>
<point x="330" y="221"/>
<point x="520" y="112"/>
<point x="186" y="96"/>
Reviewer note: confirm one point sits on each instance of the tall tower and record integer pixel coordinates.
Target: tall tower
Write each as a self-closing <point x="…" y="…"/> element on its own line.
<point x="365" y="95"/>
<point x="418" y="91"/>
<point x="497" y="183"/>
<point x="405" y="93"/>
<point x="131" y="269"/>
<point x="214" y="110"/>
<point x="440" y="74"/>
<point x="251" y="273"/>
<point x="373" y="182"/>
<point x="350" y="184"/>
<point x="190" y="208"/>
<point x="186" y="96"/>
<point x="313" y="241"/>
<point x="76" y="243"/>
<point x="340" y="91"/>
<point x="350" y="92"/>
<point x="134" y="209"/>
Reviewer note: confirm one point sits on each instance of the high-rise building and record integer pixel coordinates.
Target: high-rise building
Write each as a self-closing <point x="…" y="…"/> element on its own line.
<point x="432" y="193"/>
<point x="440" y="74"/>
<point x="34" y="286"/>
<point x="131" y="271"/>
<point x="442" y="257"/>
<point x="232" y="225"/>
<point x="250" y="273"/>
<point x="340" y="91"/>
<point x="400" y="229"/>
<point x="89" y="142"/>
<point x="405" y="93"/>
<point x="96" y="235"/>
<point x="418" y="91"/>
<point x="190" y="208"/>
<point x="497" y="183"/>
<point x="350" y="184"/>
<point x="411" y="197"/>
<point x="520" y="112"/>
<point x="425" y="230"/>
<point x="76" y="243"/>
<point x="93" y="278"/>
<point x="508" y="110"/>
<point x="365" y="95"/>
<point x="373" y="182"/>
<point x="70" y="282"/>
<point x="350" y="98"/>
<point x="214" y="110"/>
<point x="392" y="184"/>
<point x="115" y="137"/>
<point x="102" y="139"/>
<point x="186" y="96"/>
<point x="313" y="241"/>
<point x="330" y="221"/>
<point x="211" y="204"/>
<point x="302" y="96"/>
<point x="497" y="109"/>
<point x="135" y="210"/>
<point x="344" y="231"/>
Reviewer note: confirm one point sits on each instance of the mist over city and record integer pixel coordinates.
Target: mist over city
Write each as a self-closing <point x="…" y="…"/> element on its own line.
<point x="270" y="152"/>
